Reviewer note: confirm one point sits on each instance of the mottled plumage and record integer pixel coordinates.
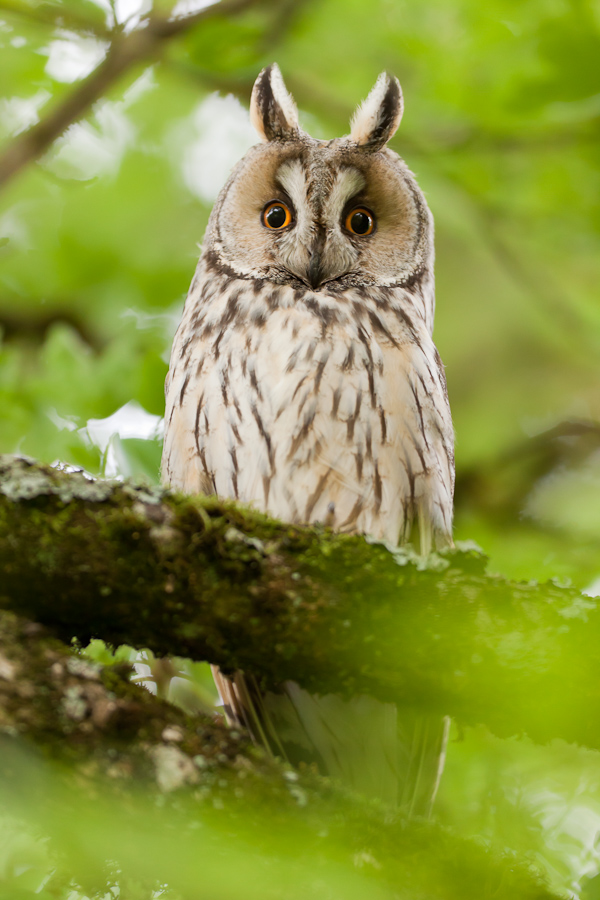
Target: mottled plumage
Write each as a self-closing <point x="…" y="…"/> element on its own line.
<point x="304" y="380"/>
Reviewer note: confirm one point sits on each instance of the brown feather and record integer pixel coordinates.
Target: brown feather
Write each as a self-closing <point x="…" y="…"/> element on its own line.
<point x="304" y="380"/>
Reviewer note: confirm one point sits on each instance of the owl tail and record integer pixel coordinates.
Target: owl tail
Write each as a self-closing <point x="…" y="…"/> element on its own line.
<point x="374" y="748"/>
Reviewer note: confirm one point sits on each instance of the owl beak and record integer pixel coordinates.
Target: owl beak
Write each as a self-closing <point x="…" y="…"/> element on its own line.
<point x="314" y="272"/>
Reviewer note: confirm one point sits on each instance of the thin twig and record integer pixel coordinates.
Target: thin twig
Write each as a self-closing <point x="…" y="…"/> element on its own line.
<point x="167" y="28"/>
<point x="45" y="14"/>
<point x="240" y="87"/>
<point x="287" y="15"/>
<point x="125" y="51"/>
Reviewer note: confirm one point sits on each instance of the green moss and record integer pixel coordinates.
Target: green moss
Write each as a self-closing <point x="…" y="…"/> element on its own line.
<point x="215" y="581"/>
<point x="99" y="739"/>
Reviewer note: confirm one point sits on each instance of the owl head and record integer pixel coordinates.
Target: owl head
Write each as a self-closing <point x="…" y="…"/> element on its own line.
<point x="323" y="215"/>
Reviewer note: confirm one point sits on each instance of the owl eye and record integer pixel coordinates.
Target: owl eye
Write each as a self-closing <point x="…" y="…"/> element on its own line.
<point x="360" y="221"/>
<point x="276" y="215"/>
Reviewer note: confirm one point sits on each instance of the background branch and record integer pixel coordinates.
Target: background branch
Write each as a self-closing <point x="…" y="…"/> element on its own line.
<point x="57" y="15"/>
<point x="78" y="741"/>
<point x="125" y="52"/>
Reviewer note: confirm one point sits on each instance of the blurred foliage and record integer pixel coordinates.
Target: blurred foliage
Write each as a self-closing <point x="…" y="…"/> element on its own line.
<point x="205" y="845"/>
<point x="98" y="243"/>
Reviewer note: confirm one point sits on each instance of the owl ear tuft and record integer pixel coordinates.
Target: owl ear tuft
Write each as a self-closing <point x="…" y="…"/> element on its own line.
<point x="377" y="118"/>
<point x="272" y="109"/>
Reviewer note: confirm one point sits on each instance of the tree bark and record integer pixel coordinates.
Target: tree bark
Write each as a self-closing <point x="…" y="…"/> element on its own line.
<point x="215" y="581"/>
<point x="108" y="772"/>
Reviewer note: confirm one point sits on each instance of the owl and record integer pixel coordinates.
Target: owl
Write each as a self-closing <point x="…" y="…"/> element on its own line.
<point x="304" y="380"/>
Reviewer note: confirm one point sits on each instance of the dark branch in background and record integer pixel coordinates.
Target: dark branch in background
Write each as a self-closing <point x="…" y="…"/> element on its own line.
<point x="500" y="485"/>
<point x="533" y="278"/>
<point x="216" y="582"/>
<point x="240" y="87"/>
<point x="527" y="272"/>
<point x="284" y="20"/>
<point x="33" y="326"/>
<point x="57" y="15"/>
<point x="146" y="42"/>
<point x="126" y="51"/>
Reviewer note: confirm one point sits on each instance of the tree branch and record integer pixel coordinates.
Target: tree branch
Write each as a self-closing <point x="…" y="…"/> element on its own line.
<point x="125" y="51"/>
<point x="57" y="16"/>
<point x="78" y="741"/>
<point x="75" y="709"/>
<point x="213" y="581"/>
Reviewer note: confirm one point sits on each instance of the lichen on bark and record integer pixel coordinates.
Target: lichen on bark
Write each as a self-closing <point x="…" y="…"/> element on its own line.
<point x="92" y="717"/>
<point x="97" y="762"/>
<point x="219" y="582"/>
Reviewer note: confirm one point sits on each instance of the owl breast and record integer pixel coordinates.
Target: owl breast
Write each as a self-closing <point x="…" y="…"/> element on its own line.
<point x="315" y="407"/>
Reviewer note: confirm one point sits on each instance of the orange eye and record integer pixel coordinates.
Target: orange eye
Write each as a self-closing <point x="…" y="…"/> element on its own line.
<point x="276" y="215"/>
<point x="360" y="221"/>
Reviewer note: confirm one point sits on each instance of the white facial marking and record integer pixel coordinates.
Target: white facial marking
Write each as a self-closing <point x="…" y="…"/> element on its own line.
<point x="292" y="178"/>
<point x="347" y="184"/>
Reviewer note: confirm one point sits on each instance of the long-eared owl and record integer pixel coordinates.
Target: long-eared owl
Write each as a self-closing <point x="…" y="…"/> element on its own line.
<point x="304" y="380"/>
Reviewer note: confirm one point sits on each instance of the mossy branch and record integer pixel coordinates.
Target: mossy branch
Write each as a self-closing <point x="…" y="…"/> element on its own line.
<point x="218" y="582"/>
<point x="104" y="727"/>
<point x="109" y="772"/>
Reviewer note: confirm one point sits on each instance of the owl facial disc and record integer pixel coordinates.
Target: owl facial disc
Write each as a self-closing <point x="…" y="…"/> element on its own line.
<point x="323" y="215"/>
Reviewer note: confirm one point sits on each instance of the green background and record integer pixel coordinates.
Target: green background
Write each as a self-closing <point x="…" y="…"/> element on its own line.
<point x="99" y="239"/>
